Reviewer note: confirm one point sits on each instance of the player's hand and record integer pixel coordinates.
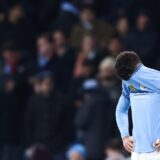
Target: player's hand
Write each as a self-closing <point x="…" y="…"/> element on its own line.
<point x="157" y="145"/>
<point x="128" y="143"/>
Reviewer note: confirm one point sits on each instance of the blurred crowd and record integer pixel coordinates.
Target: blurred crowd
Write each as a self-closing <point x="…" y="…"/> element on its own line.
<point x="58" y="87"/>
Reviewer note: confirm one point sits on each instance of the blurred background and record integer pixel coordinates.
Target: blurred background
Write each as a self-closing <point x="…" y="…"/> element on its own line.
<point x="58" y="88"/>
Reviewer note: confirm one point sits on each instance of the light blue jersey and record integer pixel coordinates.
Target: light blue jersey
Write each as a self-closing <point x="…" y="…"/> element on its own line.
<point x="142" y="93"/>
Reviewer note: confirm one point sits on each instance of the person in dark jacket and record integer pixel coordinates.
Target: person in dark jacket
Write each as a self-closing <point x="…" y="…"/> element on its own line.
<point x="94" y="119"/>
<point x="67" y="18"/>
<point x="13" y="95"/>
<point x="9" y="123"/>
<point x="92" y="122"/>
<point x="46" y="116"/>
<point x="143" y="39"/>
<point x="110" y="84"/>
<point x="17" y="29"/>
<point x="14" y="65"/>
<point x="46" y="58"/>
<point x="65" y="60"/>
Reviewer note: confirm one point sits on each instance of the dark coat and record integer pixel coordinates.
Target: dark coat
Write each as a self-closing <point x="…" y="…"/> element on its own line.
<point x="35" y="68"/>
<point x="46" y="121"/>
<point x="12" y="104"/>
<point x="93" y="118"/>
<point x="64" y="70"/>
<point x="9" y="119"/>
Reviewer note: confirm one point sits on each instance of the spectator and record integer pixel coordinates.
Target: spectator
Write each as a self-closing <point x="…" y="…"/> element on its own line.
<point x="115" y="46"/>
<point x="46" y="57"/>
<point x="109" y="84"/>
<point x="89" y="52"/>
<point x="14" y="66"/>
<point x="16" y="28"/>
<point x="66" y="56"/>
<point x="113" y="150"/>
<point x="13" y="95"/>
<point x="123" y="28"/>
<point x="108" y="79"/>
<point x="143" y="39"/>
<point x="38" y="152"/>
<point x="93" y="120"/>
<point x="68" y="17"/>
<point x="76" y="152"/>
<point x="90" y="25"/>
<point x="46" y="118"/>
<point x="75" y="90"/>
<point x="9" y="121"/>
<point x="86" y="63"/>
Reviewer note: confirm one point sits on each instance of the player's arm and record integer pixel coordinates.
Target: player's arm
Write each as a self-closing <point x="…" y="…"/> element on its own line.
<point x="122" y="115"/>
<point x="122" y="111"/>
<point x="122" y="119"/>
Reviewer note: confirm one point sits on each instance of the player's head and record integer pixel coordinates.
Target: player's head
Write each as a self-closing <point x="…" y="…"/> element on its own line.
<point x="126" y="63"/>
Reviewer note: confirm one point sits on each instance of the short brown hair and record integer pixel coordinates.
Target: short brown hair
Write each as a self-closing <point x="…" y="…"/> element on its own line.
<point x="126" y="63"/>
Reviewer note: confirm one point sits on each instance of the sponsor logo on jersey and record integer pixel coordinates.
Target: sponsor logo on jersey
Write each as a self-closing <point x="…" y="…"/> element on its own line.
<point x="132" y="88"/>
<point x="143" y="88"/>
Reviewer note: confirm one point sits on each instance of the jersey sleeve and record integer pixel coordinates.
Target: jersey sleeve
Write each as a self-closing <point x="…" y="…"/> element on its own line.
<point x="122" y="112"/>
